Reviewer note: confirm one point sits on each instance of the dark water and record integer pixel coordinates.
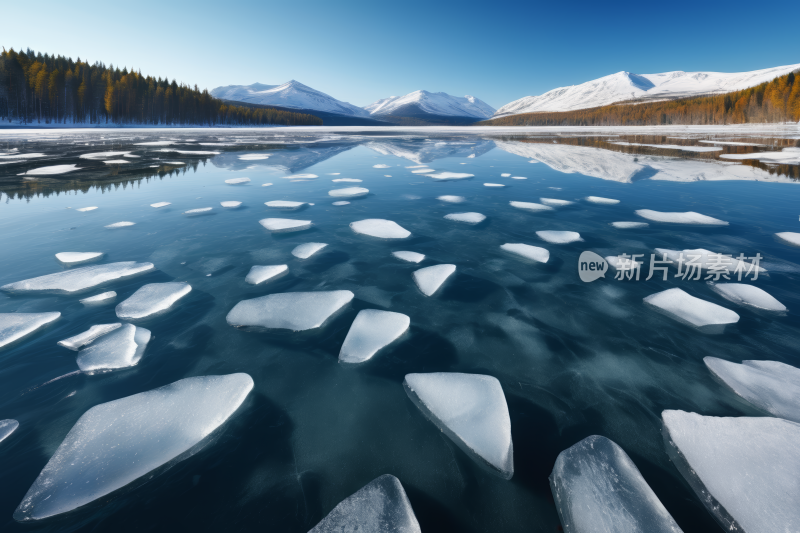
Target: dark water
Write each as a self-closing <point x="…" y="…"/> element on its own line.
<point x="574" y="359"/>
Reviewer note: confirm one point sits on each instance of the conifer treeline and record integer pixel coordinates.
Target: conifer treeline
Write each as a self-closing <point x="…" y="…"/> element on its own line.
<point x="46" y="89"/>
<point x="774" y="101"/>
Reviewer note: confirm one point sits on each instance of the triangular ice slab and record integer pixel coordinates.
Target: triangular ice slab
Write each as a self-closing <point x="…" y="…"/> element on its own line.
<point x="429" y="279"/>
<point x="372" y="330"/>
<point x="598" y="489"/>
<point x="122" y="348"/>
<point x="380" y="228"/>
<point x="411" y="257"/>
<point x="526" y="251"/>
<point x="379" y="507"/>
<point x="296" y="311"/>
<point x="14" y="326"/>
<point x="678" y="305"/>
<point x="116" y="443"/>
<point x="744" y="470"/>
<point x="70" y="258"/>
<point x="7" y="427"/>
<point x="79" y="279"/>
<point x="151" y="299"/>
<point x="306" y="250"/>
<point x="470" y="409"/>
<point x="771" y="386"/>
<point x="261" y="273"/>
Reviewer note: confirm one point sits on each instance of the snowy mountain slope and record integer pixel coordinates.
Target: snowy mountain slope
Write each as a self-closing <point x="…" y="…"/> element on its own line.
<point x="292" y="94"/>
<point x="439" y="104"/>
<point x="628" y="86"/>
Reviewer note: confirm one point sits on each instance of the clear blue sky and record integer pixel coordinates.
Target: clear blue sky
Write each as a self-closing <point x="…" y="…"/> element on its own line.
<point x="362" y="51"/>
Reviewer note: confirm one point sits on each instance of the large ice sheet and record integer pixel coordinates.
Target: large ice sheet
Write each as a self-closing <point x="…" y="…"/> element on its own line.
<point x="372" y="330"/>
<point x="771" y="386"/>
<point x="281" y="225"/>
<point x="748" y="295"/>
<point x="7" y="427"/>
<point x="151" y="299"/>
<point x="598" y="489"/>
<point x="296" y="311"/>
<point x="526" y="251"/>
<point x="121" y="348"/>
<point x="469" y="218"/>
<point x="530" y="206"/>
<point x="680" y="306"/>
<point x="306" y="250"/>
<point x="82" y="339"/>
<point x="559" y="237"/>
<point x="689" y="217"/>
<point x="744" y="470"/>
<point x="429" y="279"/>
<point x="411" y="257"/>
<point x="470" y="409"/>
<point x="348" y="192"/>
<point x="789" y="237"/>
<point x="118" y="442"/>
<point x="14" y="326"/>
<point x="261" y="273"/>
<point x="379" y="507"/>
<point x="380" y="228"/>
<point x="79" y="279"/>
<point x="70" y="258"/>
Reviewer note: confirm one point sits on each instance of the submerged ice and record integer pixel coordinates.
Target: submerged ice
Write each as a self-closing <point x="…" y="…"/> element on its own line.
<point x="295" y="311"/>
<point x="372" y="330"/>
<point x="151" y="299"/>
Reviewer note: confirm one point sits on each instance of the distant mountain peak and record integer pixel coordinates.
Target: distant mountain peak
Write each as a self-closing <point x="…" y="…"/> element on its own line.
<point x="291" y="94"/>
<point x="438" y="104"/>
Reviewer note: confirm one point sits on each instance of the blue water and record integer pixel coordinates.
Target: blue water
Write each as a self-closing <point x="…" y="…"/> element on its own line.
<point x="574" y="359"/>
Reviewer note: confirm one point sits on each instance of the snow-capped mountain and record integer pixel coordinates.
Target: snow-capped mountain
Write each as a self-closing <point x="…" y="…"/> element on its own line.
<point x="292" y="94"/>
<point x="427" y="103"/>
<point x="624" y="86"/>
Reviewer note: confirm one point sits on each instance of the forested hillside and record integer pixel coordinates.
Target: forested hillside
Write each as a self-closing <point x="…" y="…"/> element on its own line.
<point x="45" y="89"/>
<point x="775" y="101"/>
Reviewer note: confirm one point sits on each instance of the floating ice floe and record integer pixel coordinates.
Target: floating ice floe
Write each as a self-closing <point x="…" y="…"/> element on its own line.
<point x="629" y="225"/>
<point x="689" y="217"/>
<point x="379" y="507"/>
<point x="296" y="311"/>
<point x="177" y="163"/>
<point x="789" y="156"/>
<point x="471" y="410"/>
<point x="429" y="279"/>
<point x="789" y="238"/>
<point x="118" y="442"/>
<point x="261" y="273"/>
<point x="157" y="143"/>
<point x="554" y="188"/>
<point x="304" y="251"/>
<point x="349" y="192"/>
<point x="266" y="185"/>
<point x="672" y="147"/>
<point x="505" y="175"/>
<point x="411" y="257"/>
<point x="446" y="176"/>
<point x="526" y="251"/>
<point x="731" y="143"/>
<point x="253" y="157"/>
<point x="14" y="326"/>
<point x="554" y="202"/>
<point x="559" y="237"/>
<point x="284" y="204"/>
<point x="418" y="166"/>
<point x="237" y="181"/>
<point x="598" y="489"/>
<point x="380" y="228"/>
<point x="301" y="177"/>
<point x="79" y="279"/>
<point x="530" y="206"/>
<point x="346" y="180"/>
<point x="82" y="339"/>
<point x="601" y="200"/>
<point x="160" y="204"/>
<point x="372" y="330"/>
<point x="680" y="306"/>
<point x="748" y="296"/>
<point x="123" y="224"/>
<point x="380" y="166"/>
<point x="121" y="348"/>
<point x="423" y="171"/>
<point x="340" y="203"/>
<point x="518" y="178"/>
<point x="493" y="185"/>
<point x="85" y="209"/>
<point x="15" y="156"/>
<point x="7" y="427"/>
<point x="704" y="259"/>
<point x="116" y="162"/>
<point x="198" y="211"/>
<point x="770" y="386"/>
<point x="230" y="204"/>
<point x="451" y="199"/>
<point x="744" y="470"/>
<point x="280" y="225"/>
<point x="70" y="258"/>
<point x="103" y="155"/>
<point x="102" y="297"/>
<point x="51" y="170"/>
<point x="151" y="299"/>
<point x="469" y="218"/>
<point x="188" y="152"/>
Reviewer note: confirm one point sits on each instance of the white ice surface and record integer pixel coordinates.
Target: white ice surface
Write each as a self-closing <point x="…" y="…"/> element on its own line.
<point x="423" y="171"/>
<point x="284" y="204"/>
<point x="118" y="442"/>
<point x="14" y="326"/>
<point x="380" y="228"/>
<point x="51" y="170"/>
<point x="306" y="250"/>
<point x="601" y="200"/>
<point x="689" y="217"/>
<point x="471" y="409"/>
<point x="526" y="251"/>
<point x="230" y="204"/>
<point x="77" y="257"/>
<point x="296" y="311"/>
<point x="102" y="297"/>
<point x="629" y="225"/>
<point x="7" y="427"/>
<point x="429" y="279"/>
<point x="85" y="209"/>
<point x="493" y="185"/>
<point x="692" y="311"/>
<point x="237" y="181"/>
<point x="291" y="94"/>
<point x="78" y="279"/>
<point x="121" y="348"/>
<point x="440" y="104"/>
<point x="82" y="339"/>
<point x="447" y="176"/>
<point x="340" y="203"/>
<point x="349" y="192"/>
<point x="151" y="299"/>
<point x="748" y="295"/>
<point x="123" y="224"/>
<point x="253" y="157"/>
<point x="530" y="206"/>
<point x="261" y="273"/>
<point x="381" y="165"/>
<point x="555" y="202"/>
<point x="789" y="237"/>
<point x="451" y="199"/>
<point x="469" y="218"/>
<point x="284" y="224"/>
<point x="559" y="237"/>
<point x="372" y="330"/>
<point x="673" y="147"/>
<point x="198" y="211"/>
<point x="160" y="204"/>
<point x="347" y="180"/>
<point x="411" y="257"/>
<point x="301" y="177"/>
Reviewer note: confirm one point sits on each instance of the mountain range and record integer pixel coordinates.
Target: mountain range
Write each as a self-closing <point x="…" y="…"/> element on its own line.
<point x="423" y="107"/>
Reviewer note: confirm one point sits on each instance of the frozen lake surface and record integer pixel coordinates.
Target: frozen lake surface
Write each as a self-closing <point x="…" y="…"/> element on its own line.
<point x="573" y="359"/>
